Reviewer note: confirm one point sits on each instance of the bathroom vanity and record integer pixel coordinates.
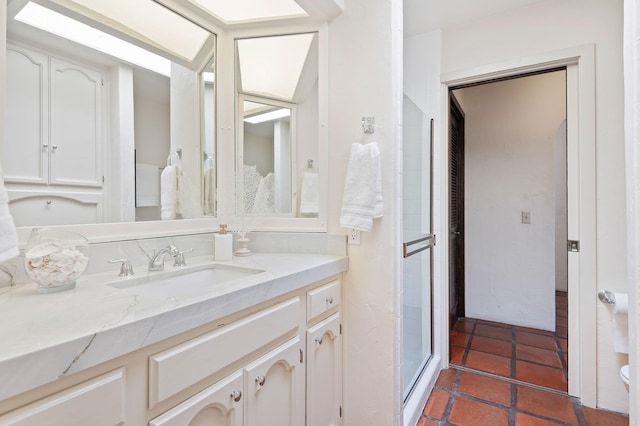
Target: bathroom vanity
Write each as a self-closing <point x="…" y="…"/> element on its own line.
<point x="233" y="342"/>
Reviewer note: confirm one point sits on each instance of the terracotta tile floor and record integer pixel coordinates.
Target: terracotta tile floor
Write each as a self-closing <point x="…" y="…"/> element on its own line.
<point x="519" y="353"/>
<point x="508" y="375"/>
<point x="465" y="398"/>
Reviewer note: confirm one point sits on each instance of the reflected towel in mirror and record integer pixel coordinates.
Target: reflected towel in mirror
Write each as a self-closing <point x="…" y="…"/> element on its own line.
<point x="8" y="235"/>
<point x="208" y="187"/>
<point x="309" y="193"/>
<point x="362" y="197"/>
<point x="168" y="192"/>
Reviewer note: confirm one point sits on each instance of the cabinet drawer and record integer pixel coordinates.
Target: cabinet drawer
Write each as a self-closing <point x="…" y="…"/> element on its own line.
<point x="99" y="401"/>
<point x="184" y="365"/>
<point x="323" y="299"/>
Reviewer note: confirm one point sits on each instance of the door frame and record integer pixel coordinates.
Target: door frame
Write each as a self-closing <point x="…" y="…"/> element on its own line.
<point x="581" y="202"/>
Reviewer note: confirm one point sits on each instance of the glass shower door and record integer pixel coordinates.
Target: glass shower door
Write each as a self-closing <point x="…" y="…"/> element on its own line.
<point x="418" y="242"/>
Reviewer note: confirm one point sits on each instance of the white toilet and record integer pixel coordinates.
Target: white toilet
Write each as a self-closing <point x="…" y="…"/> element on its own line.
<point x="624" y="375"/>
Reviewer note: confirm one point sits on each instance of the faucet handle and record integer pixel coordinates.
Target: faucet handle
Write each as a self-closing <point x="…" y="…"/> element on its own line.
<point x="180" y="262"/>
<point x="126" y="270"/>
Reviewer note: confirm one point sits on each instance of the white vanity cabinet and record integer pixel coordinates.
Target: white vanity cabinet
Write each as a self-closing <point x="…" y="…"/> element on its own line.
<point x="52" y="153"/>
<point x="275" y="363"/>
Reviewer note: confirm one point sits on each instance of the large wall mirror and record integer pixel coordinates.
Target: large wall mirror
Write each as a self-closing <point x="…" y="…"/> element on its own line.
<point x="277" y="84"/>
<point x="99" y="103"/>
<point x="90" y="131"/>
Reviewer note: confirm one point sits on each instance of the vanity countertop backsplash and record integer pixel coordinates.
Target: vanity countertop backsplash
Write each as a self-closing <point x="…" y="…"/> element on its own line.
<point x="104" y="317"/>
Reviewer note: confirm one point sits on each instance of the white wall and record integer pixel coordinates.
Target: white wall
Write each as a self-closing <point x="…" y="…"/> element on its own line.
<point x="365" y="54"/>
<point x="258" y="146"/>
<point x="510" y="129"/>
<point x="550" y="26"/>
<point x="151" y="130"/>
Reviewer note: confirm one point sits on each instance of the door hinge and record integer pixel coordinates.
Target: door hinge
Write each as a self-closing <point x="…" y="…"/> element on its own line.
<point x="301" y="356"/>
<point x="340" y="411"/>
<point x="573" y="245"/>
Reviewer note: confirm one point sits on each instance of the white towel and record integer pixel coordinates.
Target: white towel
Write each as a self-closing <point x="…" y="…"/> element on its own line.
<point x="209" y="190"/>
<point x="8" y="235"/>
<point x="309" y="193"/>
<point x="168" y="192"/>
<point x="147" y="185"/>
<point x="362" y="197"/>
<point x="180" y="188"/>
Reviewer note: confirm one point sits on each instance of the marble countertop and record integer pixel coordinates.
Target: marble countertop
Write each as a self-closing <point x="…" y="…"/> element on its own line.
<point x="47" y="336"/>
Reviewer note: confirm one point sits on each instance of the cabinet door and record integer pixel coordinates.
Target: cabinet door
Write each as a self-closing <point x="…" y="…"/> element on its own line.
<point x="25" y="152"/>
<point x="324" y="373"/>
<point x="274" y="386"/>
<point x="76" y="119"/>
<point x="218" y="405"/>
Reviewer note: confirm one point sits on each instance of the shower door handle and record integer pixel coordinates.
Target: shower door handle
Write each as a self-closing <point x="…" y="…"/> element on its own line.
<point x="430" y="240"/>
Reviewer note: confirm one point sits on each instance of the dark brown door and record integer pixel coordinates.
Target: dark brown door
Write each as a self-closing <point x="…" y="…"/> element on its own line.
<point x="456" y="211"/>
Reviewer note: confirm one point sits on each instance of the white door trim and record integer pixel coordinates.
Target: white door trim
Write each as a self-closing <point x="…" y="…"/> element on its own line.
<point x="581" y="203"/>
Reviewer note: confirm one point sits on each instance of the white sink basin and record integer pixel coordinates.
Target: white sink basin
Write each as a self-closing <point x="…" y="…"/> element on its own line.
<point x="194" y="279"/>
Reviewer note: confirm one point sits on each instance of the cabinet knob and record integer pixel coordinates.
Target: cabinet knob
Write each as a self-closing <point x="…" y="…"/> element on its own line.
<point x="236" y="395"/>
<point x="319" y="340"/>
<point x="54" y="146"/>
<point x="48" y="202"/>
<point x="260" y="380"/>
<point x="45" y="145"/>
<point x="329" y="300"/>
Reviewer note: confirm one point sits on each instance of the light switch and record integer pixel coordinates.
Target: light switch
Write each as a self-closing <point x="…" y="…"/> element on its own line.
<point x="526" y="217"/>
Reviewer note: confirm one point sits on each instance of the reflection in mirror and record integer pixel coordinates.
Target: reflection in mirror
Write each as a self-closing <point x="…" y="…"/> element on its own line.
<point x="89" y="126"/>
<point x="208" y="132"/>
<point x="277" y="87"/>
<point x="266" y="139"/>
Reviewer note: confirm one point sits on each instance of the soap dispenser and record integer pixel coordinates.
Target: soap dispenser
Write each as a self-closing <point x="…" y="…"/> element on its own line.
<point x="223" y="245"/>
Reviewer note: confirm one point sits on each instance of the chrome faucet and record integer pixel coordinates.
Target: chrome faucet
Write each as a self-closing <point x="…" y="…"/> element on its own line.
<point x="157" y="260"/>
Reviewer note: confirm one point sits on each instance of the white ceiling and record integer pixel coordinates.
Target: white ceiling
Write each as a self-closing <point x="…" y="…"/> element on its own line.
<point x="422" y="16"/>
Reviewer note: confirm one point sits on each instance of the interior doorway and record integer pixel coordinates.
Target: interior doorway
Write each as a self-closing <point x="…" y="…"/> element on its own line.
<point x="505" y="180"/>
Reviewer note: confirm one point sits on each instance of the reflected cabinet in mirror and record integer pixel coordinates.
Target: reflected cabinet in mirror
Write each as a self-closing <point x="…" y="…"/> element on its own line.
<point x="102" y="108"/>
<point x="278" y="123"/>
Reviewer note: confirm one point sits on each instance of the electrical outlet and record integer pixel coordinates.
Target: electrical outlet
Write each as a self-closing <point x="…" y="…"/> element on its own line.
<point x="526" y="217"/>
<point x="354" y="236"/>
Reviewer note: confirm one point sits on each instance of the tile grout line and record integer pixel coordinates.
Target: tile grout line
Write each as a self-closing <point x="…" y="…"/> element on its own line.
<point x="508" y="379"/>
